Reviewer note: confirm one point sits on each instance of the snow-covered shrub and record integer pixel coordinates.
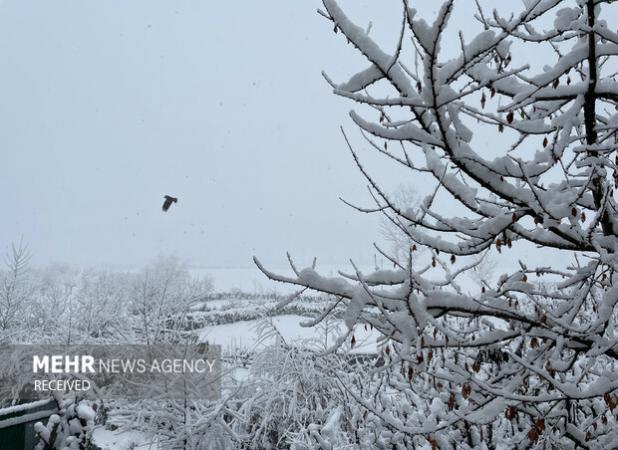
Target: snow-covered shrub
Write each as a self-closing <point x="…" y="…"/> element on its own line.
<point x="59" y="304"/>
<point x="192" y="423"/>
<point x="293" y="398"/>
<point x="70" y="429"/>
<point x="522" y="164"/>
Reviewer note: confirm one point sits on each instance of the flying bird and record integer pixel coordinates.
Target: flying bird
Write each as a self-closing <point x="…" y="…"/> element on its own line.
<point x="168" y="202"/>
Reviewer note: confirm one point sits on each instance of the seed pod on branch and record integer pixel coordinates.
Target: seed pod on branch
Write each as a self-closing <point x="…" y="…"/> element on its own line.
<point x="510" y="413"/>
<point x="466" y="390"/>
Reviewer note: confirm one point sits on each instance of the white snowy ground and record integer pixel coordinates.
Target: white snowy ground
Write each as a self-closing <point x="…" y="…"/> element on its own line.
<point x="127" y="440"/>
<point x="244" y="335"/>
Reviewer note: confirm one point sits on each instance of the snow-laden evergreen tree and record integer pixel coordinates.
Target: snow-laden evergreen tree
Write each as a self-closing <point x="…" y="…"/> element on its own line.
<point x="528" y="360"/>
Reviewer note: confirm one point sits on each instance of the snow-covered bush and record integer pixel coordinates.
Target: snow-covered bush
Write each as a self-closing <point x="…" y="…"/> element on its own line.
<point x="293" y="397"/>
<point x="524" y="165"/>
<point x="192" y="425"/>
<point x="59" y="304"/>
<point x="67" y="306"/>
<point x="70" y="429"/>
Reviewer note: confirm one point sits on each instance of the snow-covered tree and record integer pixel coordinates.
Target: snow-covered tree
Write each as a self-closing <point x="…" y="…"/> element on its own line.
<point x="52" y="306"/>
<point x="393" y="231"/>
<point x="524" y="164"/>
<point x="162" y="295"/>
<point x="14" y="287"/>
<point x="103" y="298"/>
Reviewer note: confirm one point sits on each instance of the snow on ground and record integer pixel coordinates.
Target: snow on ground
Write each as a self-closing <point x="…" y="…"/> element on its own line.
<point x="122" y="440"/>
<point x="245" y="335"/>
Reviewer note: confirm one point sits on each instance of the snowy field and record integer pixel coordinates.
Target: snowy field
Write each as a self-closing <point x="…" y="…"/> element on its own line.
<point x="114" y="440"/>
<point x="245" y="335"/>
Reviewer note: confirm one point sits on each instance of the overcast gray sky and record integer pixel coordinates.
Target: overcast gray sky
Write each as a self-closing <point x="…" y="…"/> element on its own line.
<point x="108" y="105"/>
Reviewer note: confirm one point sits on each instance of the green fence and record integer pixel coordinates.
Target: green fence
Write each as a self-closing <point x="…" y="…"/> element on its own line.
<point x="17" y="423"/>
